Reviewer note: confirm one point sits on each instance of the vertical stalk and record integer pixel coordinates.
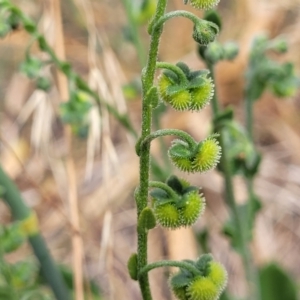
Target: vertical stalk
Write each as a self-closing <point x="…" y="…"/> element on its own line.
<point x="250" y="184"/>
<point x="21" y="211"/>
<point x="241" y="229"/>
<point x="249" y="117"/>
<point x="77" y="245"/>
<point x="142" y="197"/>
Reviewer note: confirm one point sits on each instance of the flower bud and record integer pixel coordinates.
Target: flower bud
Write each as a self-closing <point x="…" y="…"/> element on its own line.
<point x="231" y="50"/>
<point x="205" y="32"/>
<point x="204" y="4"/>
<point x="214" y="52"/>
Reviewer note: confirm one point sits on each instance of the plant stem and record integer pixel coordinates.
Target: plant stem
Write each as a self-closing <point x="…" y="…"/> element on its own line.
<point x="249" y="117"/>
<point x="175" y="69"/>
<point x="165" y="132"/>
<point x="142" y="199"/>
<point x="171" y="263"/>
<point x="250" y="186"/>
<point x="21" y="211"/>
<point x="240" y="228"/>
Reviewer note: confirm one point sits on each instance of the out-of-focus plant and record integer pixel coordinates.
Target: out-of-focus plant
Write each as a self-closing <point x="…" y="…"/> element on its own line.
<point x="239" y="154"/>
<point x="75" y="110"/>
<point x="176" y="203"/>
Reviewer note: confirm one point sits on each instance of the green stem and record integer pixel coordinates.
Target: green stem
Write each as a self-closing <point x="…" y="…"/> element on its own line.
<point x="165" y="187"/>
<point x="165" y="132"/>
<point x="249" y="117"/>
<point x="175" y="69"/>
<point x="21" y="211"/>
<point x="170" y="263"/>
<point x="241" y="229"/>
<point x="250" y="188"/>
<point x="134" y="32"/>
<point x="147" y="80"/>
<point x="174" y="14"/>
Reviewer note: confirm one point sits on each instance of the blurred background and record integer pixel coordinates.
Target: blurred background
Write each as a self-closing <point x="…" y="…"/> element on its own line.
<point x="96" y="40"/>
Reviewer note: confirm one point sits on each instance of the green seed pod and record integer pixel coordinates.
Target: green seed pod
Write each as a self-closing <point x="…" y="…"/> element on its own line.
<point x="218" y="275"/>
<point x="181" y="100"/>
<point x="193" y="207"/>
<point x="204" y="4"/>
<point x="205" y="32"/>
<point x="167" y="215"/>
<point x="181" y="156"/>
<point x="207" y="155"/>
<point x="202" y="95"/>
<point x="214" y="52"/>
<point x="202" y="288"/>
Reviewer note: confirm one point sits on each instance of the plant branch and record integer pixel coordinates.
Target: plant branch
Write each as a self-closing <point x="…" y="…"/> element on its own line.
<point x="170" y="263"/>
<point x="21" y="211"/>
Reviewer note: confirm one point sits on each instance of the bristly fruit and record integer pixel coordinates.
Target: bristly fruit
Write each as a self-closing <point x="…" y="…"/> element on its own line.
<point x="202" y="95"/>
<point x="202" y="288"/>
<point x="207" y="156"/>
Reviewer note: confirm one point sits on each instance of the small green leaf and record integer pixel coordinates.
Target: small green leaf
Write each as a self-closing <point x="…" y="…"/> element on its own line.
<point x="152" y="97"/>
<point x="132" y="266"/>
<point x="175" y="184"/>
<point x="184" y="67"/>
<point x="202" y="264"/>
<point x="146" y="220"/>
<point x="276" y="284"/>
<point x="214" y="17"/>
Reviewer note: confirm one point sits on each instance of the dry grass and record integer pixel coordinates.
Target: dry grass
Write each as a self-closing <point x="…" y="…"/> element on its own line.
<point x="106" y="167"/>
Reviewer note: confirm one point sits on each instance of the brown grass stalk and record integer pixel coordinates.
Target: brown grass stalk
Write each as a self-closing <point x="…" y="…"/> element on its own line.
<point x="77" y="245"/>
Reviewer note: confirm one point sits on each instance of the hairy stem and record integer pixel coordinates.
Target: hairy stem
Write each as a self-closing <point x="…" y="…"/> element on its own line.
<point x="142" y="199"/>
<point x="175" y="69"/>
<point x="170" y="263"/>
<point x="163" y="186"/>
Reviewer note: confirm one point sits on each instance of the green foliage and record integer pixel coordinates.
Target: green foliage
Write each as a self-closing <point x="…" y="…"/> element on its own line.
<point x="146" y="220"/>
<point x="276" y="284"/>
<point x="11" y="237"/>
<point x="132" y="266"/>
<point x="265" y="73"/>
